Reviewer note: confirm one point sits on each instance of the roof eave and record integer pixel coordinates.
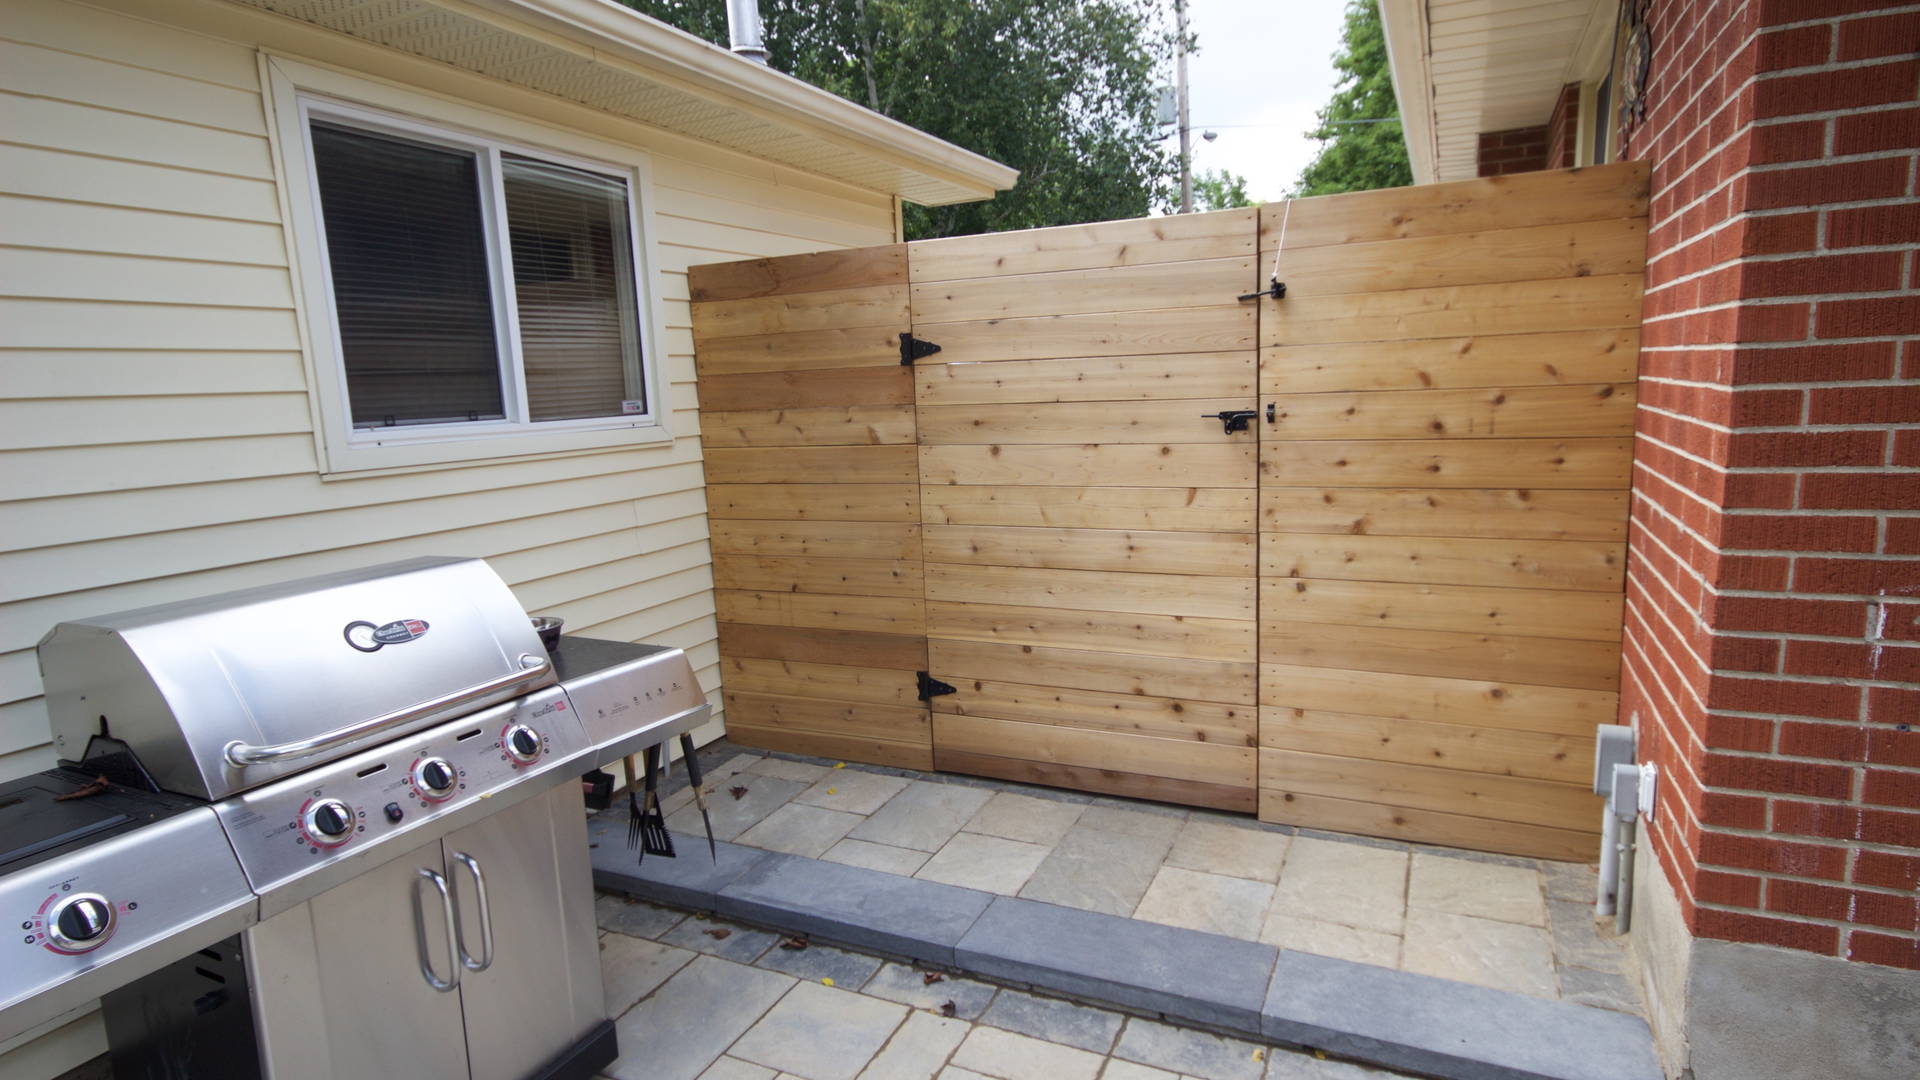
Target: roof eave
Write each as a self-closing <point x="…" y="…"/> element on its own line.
<point x="1406" y="29"/>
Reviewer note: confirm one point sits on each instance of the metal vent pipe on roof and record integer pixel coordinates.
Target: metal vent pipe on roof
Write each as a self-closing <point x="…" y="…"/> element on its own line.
<point x="744" y="33"/>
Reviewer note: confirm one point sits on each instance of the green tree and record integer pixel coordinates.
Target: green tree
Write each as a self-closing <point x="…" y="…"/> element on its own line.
<point x="1361" y="147"/>
<point x="1218" y="189"/>
<point x="1062" y="90"/>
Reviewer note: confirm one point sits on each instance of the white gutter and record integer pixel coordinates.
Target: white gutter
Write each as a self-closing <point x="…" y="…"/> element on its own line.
<point x="1409" y="61"/>
<point x="609" y="30"/>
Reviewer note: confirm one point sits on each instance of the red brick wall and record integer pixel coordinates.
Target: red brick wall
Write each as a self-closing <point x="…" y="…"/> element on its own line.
<point x="1563" y="128"/>
<point x="1772" y="653"/>
<point x="1518" y="150"/>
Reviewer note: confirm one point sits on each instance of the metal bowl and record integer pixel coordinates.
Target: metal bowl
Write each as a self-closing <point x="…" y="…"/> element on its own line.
<point x="548" y="628"/>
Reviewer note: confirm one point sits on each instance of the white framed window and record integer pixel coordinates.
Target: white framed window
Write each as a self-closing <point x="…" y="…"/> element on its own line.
<point x="475" y="287"/>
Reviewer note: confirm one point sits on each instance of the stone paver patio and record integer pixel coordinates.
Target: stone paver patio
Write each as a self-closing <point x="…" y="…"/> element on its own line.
<point x="1508" y="923"/>
<point x="696" y="998"/>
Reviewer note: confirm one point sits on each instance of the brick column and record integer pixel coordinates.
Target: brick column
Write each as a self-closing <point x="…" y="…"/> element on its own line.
<point x="1772" y="654"/>
<point x="1518" y="150"/>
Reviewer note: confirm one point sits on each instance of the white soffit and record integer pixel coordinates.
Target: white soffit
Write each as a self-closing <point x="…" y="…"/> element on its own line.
<point x="1471" y="66"/>
<point x="601" y="54"/>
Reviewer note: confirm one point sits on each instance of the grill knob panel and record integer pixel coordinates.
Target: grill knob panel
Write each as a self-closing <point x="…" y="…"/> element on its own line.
<point x="80" y="922"/>
<point x="435" y="778"/>
<point x="522" y="743"/>
<point x="330" y="820"/>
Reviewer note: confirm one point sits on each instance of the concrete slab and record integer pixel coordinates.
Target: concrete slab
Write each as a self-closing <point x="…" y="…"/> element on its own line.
<point x="818" y="963"/>
<point x="820" y="1033"/>
<point x="1189" y="1052"/>
<point x="1447" y="1029"/>
<point x="688" y="1022"/>
<point x="909" y="986"/>
<point x="1204" y="978"/>
<point x="863" y="908"/>
<point x="689" y="881"/>
<point x="1054" y="1020"/>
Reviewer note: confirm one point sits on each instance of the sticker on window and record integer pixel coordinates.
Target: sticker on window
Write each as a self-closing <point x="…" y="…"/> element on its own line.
<point x="631" y="407"/>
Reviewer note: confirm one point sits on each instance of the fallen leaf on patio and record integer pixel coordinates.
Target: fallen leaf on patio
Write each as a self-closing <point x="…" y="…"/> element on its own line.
<point x="833" y="791"/>
<point x="718" y="933"/>
<point x="826" y="980"/>
<point x="932" y="977"/>
<point x="737" y="791"/>
<point x="948" y="1008"/>
<point x="795" y="943"/>
<point x="839" y="764"/>
<point x="1259" y="1054"/>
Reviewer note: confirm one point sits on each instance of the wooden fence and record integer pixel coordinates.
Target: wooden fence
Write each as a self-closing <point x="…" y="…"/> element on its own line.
<point x="1389" y="605"/>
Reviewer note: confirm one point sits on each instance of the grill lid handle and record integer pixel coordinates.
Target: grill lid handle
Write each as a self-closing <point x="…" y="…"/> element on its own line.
<point x="242" y="754"/>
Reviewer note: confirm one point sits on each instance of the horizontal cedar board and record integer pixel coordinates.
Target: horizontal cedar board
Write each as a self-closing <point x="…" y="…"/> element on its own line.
<point x="1523" y="253"/>
<point x="1503" y="412"/>
<point x="1511" y="706"/>
<point x="1518" y="564"/>
<point x="1115" y="464"/>
<point x="1594" y="463"/>
<point x="1423" y="787"/>
<point x="834" y="682"/>
<point x="1093" y="378"/>
<point x="809" y="574"/>
<point x="1467" y="206"/>
<point x="1131" y="333"/>
<point x="1203" y="284"/>
<point x="1159" y="676"/>
<point x="833" y="309"/>
<point x="1167" y="509"/>
<point x="1562" y="662"/>
<point x="1106" y="422"/>
<point x="838" y="539"/>
<point x="1512" y="513"/>
<point x="875" y="614"/>
<point x="841" y="464"/>
<point x="815" y="350"/>
<point x="1098" y="631"/>
<point x="1093" y="590"/>
<point x="1166" y="718"/>
<point x="1138" y="551"/>
<point x="1178" y="759"/>
<point x="861" y="720"/>
<point x="812" y="272"/>
<point x="1546" y="613"/>
<point x="1100" y="781"/>
<point x="1426" y="826"/>
<point x="1567" y="759"/>
<point x="1546" y="359"/>
<point x="1131" y="242"/>
<point x="1522" y="307"/>
<point x="903" y="652"/>
<point x="777" y="503"/>
<point x="829" y="425"/>
<point x="888" y="752"/>
<point x="839" y="387"/>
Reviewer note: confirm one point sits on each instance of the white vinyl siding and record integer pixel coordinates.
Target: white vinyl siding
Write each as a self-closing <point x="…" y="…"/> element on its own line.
<point x="156" y="426"/>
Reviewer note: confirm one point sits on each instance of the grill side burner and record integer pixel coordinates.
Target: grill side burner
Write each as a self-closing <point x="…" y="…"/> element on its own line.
<point x="372" y="824"/>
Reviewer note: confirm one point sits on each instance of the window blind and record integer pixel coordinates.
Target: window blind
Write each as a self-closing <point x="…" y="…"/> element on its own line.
<point x="408" y="257"/>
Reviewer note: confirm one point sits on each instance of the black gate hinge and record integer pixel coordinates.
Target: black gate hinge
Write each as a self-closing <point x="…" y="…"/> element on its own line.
<point x="931" y="687"/>
<point x="912" y="348"/>
<point x="1277" y="290"/>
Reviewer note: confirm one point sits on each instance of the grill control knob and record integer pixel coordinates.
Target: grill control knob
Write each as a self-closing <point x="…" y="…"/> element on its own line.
<point x="435" y="777"/>
<point x="330" y="819"/>
<point x="80" y="922"/>
<point x="522" y="743"/>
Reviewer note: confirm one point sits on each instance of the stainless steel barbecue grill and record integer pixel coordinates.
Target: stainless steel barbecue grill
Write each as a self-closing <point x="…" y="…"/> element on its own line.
<point x="343" y="834"/>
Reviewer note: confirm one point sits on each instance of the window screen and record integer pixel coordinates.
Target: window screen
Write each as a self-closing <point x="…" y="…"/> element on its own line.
<point x="573" y="276"/>
<point x="408" y="256"/>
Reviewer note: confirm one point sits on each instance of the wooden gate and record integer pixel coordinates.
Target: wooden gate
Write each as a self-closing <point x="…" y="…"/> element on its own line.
<point x="1443" y="412"/>
<point x="1089" y="531"/>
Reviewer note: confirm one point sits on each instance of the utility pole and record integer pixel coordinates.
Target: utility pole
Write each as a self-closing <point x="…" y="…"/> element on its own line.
<point x="1180" y="90"/>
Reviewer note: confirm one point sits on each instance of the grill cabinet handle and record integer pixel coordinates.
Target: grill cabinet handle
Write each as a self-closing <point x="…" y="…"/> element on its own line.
<point x="486" y="919"/>
<point x="241" y="754"/>
<point x="420" y="931"/>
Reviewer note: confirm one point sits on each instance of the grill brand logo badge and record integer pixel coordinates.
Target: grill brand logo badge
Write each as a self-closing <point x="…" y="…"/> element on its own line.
<point x="367" y="637"/>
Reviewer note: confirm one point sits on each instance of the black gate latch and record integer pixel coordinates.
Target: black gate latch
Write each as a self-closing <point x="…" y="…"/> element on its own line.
<point x="1231" y="420"/>
<point x="1277" y="290"/>
<point x="912" y="348"/>
<point x="931" y="687"/>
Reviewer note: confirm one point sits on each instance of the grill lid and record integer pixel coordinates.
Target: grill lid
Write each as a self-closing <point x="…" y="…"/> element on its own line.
<point x="225" y="693"/>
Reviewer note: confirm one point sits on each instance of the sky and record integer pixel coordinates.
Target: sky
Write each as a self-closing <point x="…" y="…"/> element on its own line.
<point x="1263" y="67"/>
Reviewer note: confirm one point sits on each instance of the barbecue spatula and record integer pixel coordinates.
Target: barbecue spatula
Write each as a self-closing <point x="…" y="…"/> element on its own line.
<point x="654" y="838"/>
<point x="699" y="792"/>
